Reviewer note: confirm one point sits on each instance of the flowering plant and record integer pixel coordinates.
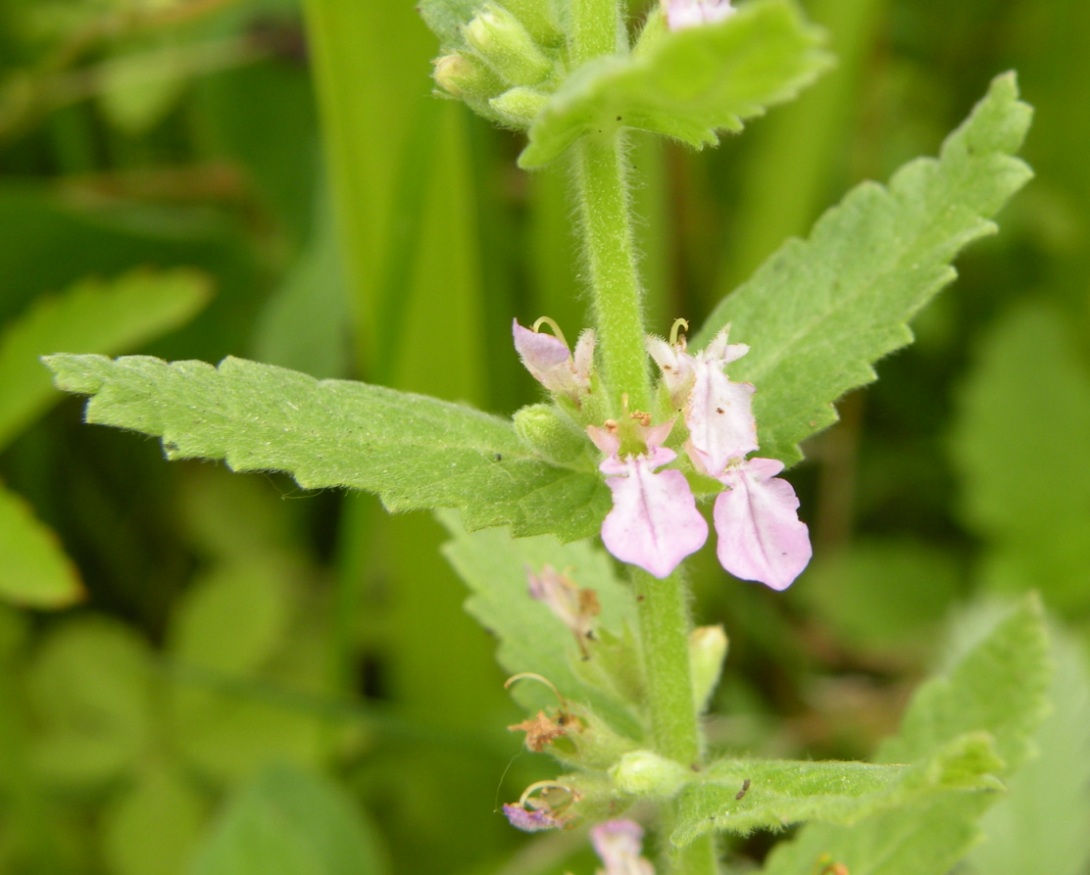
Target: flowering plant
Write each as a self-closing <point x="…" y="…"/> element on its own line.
<point x="606" y="653"/>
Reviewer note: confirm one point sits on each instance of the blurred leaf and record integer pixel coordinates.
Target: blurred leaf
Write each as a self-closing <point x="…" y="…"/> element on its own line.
<point x="687" y="84"/>
<point x="1020" y="444"/>
<point x="1043" y="823"/>
<point x="883" y="594"/>
<point x="152" y="829"/>
<point x="235" y="643"/>
<point x="446" y="17"/>
<point x="337" y="433"/>
<point x="229" y="733"/>
<point x="794" y="157"/>
<point x="89" y="688"/>
<point x="494" y="566"/>
<point x="779" y="792"/>
<point x="233" y="619"/>
<point x="277" y="99"/>
<point x="306" y="324"/>
<point x="819" y="313"/>
<point x="997" y="686"/>
<point x="290" y="822"/>
<point x="141" y="87"/>
<point x="92" y="316"/>
<point x="34" y="571"/>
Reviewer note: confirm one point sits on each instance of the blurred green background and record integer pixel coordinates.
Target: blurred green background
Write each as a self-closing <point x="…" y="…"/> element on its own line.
<point x="195" y="665"/>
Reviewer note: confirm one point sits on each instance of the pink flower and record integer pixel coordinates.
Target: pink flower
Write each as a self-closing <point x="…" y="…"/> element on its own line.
<point x="760" y="535"/>
<point x="619" y="844"/>
<point x="692" y="13"/>
<point x="718" y="412"/>
<point x="552" y="364"/>
<point x="654" y="522"/>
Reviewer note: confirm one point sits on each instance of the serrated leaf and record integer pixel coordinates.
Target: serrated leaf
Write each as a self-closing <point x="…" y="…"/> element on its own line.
<point x="777" y="793"/>
<point x="997" y="686"/>
<point x="34" y="571"/>
<point x="820" y="312"/>
<point x="415" y="452"/>
<point x="1043" y="823"/>
<point x="494" y="566"/>
<point x="288" y="822"/>
<point x="91" y="316"/>
<point x="1035" y="418"/>
<point x="687" y="85"/>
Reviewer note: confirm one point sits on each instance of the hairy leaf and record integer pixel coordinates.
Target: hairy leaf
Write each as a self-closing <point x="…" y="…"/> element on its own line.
<point x="91" y="316"/>
<point x="1041" y="825"/>
<point x="776" y="793"/>
<point x="415" y="452"/>
<point x="820" y="312"/>
<point x="997" y="686"/>
<point x="686" y="85"/>
<point x="34" y="570"/>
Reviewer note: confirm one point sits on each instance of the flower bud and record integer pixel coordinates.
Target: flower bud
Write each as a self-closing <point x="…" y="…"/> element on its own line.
<point x="519" y="106"/>
<point x="464" y="76"/>
<point x="646" y="774"/>
<point x="707" y="650"/>
<point x="543" y="428"/>
<point x="506" y="46"/>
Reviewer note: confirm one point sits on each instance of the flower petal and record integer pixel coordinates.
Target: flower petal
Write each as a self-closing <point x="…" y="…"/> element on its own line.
<point x="690" y="13"/>
<point x="550" y="361"/>
<point x="760" y="535"/>
<point x="720" y="418"/>
<point x="676" y="366"/>
<point x="654" y="522"/>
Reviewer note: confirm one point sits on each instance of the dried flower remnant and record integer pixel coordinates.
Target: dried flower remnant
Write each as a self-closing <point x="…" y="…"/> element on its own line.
<point x="550" y="361"/>
<point x="576" y="607"/>
<point x="681" y="14"/>
<point x="619" y="844"/>
<point x="542" y="730"/>
<point x="654" y="522"/>
<point x="543" y="805"/>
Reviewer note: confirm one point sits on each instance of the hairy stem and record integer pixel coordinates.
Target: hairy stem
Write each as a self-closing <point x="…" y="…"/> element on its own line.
<point x="664" y="631"/>
<point x="602" y="191"/>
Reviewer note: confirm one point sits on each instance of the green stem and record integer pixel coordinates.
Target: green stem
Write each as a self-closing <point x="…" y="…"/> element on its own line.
<point x="602" y="192"/>
<point x="664" y="633"/>
<point x="601" y="171"/>
<point x="595" y="25"/>
<point x="663" y="611"/>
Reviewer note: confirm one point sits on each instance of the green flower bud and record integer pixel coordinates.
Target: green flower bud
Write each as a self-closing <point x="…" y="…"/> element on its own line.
<point x="707" y="650"/>
<point x="646" y="774"/>
<point x="506" y="46"/>
<point x="466" y="77"/>
<point x="519" y="106"/>
<point x="543" y="428"/>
